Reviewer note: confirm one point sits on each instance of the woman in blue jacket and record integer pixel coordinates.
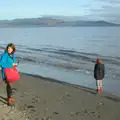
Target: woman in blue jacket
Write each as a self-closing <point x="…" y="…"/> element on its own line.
<point x="8" y="60"/>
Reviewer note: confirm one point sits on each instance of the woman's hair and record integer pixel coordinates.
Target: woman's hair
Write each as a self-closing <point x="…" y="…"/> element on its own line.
<point x="12" y="46"/>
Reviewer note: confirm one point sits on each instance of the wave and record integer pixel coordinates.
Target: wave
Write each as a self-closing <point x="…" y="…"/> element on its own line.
<point x="69" y="59"/>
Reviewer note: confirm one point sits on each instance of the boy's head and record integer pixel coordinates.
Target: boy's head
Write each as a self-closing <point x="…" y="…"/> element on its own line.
<point x="99" y="61"/>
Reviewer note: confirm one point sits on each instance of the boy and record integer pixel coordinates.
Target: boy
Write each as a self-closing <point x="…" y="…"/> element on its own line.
<point x="99" y="73"/>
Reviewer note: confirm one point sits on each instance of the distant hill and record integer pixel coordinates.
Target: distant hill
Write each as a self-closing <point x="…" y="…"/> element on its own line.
<point x="51" y="22"/>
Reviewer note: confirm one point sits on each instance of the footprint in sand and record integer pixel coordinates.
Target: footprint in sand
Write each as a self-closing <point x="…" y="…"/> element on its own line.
<point x="9" y="113"/>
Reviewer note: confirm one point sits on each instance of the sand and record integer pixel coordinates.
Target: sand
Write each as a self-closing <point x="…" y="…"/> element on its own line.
<point x="40" y="98"/>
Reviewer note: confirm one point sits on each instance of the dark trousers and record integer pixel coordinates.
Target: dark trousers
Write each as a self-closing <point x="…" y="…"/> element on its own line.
<point x="8" y="89"/>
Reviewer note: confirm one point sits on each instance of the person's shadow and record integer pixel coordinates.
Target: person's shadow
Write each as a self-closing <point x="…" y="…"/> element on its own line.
<point x="3" y="99"/>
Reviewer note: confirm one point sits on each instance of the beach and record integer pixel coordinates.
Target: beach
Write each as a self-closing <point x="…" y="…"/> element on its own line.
<point x="39" y="98"/>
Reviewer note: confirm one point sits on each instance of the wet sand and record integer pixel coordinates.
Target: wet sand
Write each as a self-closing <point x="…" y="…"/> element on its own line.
<point x="40" y="98"/>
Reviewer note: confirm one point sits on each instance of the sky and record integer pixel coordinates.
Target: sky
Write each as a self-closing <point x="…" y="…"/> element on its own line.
<point x="107" y="10"/>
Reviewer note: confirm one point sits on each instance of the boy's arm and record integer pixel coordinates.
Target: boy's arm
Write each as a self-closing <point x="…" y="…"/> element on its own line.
<point x="103" y="71"/>
<point x="95" y="71"/>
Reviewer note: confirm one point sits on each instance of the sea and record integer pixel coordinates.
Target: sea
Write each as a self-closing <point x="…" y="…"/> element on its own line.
<point x="67" y="53"/>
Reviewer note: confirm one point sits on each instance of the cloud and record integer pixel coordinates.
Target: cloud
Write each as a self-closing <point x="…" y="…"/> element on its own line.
<point x="111" y="1"/>
<point x="109" y="11"/>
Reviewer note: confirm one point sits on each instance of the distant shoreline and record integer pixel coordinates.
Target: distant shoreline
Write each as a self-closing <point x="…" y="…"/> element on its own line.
<point x="52" y="22"/>
<point x="59" y="26"/>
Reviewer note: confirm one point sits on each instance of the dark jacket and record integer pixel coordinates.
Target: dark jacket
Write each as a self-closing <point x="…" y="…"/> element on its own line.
<point x="99" y="71"/>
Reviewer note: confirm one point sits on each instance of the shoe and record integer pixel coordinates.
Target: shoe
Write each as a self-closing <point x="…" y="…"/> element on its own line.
<point x="11" y="101"/>
<point x="101" y="89"/>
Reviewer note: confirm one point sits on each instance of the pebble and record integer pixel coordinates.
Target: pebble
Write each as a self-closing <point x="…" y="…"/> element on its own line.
<point x="47" y="118"/>
<point x="84" y="110"/>
<point x="74" y="113"/>
<point x="55" y="113"/>
<point x="67" y="94"/>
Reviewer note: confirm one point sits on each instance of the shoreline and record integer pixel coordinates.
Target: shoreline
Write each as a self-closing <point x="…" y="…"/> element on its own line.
<point x="68" y="84"/>
<point x="82" y="78"/>
<point x="87" y="89"/>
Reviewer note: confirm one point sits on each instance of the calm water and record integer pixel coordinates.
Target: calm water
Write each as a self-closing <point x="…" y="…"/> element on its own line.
<point x="67" y="54"/>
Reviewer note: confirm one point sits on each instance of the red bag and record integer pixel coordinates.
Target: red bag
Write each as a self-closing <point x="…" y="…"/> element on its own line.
<point x="11" y="74"/>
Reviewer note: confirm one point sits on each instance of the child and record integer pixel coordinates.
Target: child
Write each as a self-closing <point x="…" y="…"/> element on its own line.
<point x="99" y="73"/>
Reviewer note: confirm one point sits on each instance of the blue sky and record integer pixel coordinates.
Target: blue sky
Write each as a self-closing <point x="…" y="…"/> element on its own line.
<point x="85" y="9"/>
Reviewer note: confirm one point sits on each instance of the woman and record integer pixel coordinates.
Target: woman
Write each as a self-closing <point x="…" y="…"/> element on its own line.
<point x="99" y="73"/>
<point x="8" y="60"/>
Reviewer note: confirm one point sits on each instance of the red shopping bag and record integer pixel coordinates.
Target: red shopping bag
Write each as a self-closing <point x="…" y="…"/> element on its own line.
<point x="11" y="74"/>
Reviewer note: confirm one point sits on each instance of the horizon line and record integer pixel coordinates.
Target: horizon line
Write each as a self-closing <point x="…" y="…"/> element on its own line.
<point x="42" y="16"/>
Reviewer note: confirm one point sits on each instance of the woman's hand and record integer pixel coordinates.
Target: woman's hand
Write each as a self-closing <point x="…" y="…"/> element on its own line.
<point x="14" y="64"/>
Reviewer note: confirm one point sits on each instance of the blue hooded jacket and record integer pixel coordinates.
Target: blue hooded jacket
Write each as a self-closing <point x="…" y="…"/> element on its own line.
<point x="6" y="62"/>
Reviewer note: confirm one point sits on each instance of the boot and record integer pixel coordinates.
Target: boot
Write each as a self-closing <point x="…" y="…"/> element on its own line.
<point x="100" y="89"/>
<point x="11" y="101"/>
